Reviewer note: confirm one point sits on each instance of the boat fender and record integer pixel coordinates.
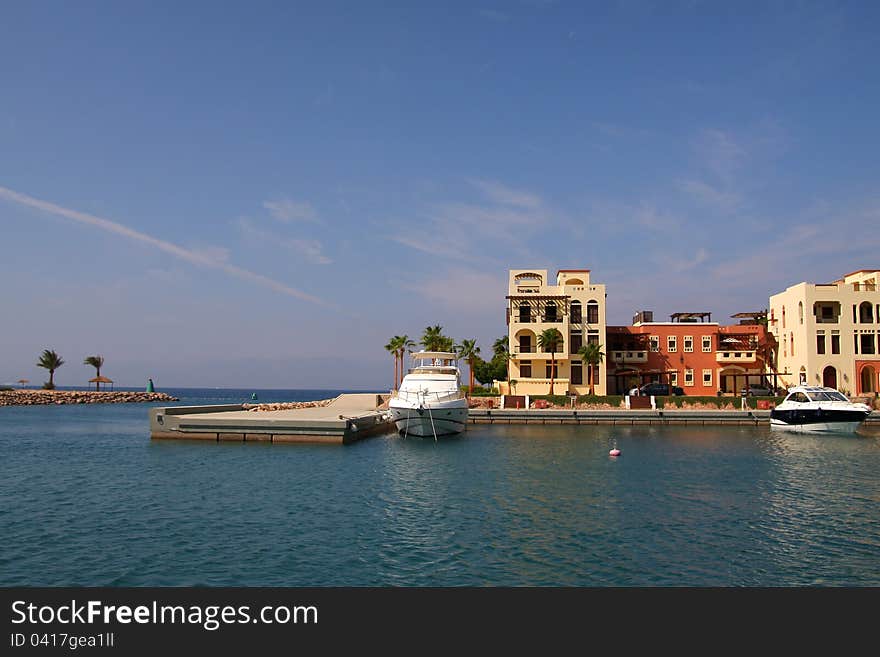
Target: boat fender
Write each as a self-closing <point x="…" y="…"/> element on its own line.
<point x="614" y="452"/>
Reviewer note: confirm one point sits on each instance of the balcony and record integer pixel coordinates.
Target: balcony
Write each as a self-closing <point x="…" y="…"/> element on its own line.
<point x="629" y="356"/>
<point x="529" y="386"/>
<point x="732" y="356"/>
<point x="532" y="353"/>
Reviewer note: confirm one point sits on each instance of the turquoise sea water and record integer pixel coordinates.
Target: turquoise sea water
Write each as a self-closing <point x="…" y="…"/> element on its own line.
<point x="86" y="498"/>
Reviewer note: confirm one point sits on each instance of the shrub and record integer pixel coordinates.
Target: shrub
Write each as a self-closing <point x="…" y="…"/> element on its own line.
<point x="555" y="400"/>
<point x="48" y="386"/>
<point x="612" y="400"/>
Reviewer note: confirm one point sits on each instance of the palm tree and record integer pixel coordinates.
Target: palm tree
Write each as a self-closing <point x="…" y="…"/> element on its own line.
<point x="391" y="348"/>
<point x="403" y="344"/>
<point x="550" y="340"/>
<point x="592" y="355"/>
<point x="51" y="361"/>
<point x="500" y="346"/>
<point x="433" y="338"/>
<point x="468" y="350"/>
<point x="97" y="362"/>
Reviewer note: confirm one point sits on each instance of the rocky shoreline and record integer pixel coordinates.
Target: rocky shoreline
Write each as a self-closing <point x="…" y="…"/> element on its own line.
<point x="60" y="397"/>
<point x="285" y="406"/>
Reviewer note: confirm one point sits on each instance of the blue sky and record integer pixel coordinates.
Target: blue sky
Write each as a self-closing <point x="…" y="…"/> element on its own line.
<point x="261" y="194"/>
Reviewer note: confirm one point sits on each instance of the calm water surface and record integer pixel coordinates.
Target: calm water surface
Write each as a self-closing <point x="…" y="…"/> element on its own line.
<point x="87" y="499"/>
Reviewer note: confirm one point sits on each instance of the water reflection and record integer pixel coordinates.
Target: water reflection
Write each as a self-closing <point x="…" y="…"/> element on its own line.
<point x="94" y="502"/>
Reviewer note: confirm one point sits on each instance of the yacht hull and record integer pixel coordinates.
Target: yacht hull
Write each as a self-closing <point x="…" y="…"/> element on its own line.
<point x="817" y="420"/>
<point x="442" y="420"/>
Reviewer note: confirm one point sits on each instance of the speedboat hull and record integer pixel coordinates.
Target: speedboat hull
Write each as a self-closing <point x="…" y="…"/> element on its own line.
<point x="430" y="420"/>
<point x="817" y="420"/>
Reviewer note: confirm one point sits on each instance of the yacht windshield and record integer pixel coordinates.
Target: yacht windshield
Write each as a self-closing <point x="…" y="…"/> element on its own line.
<point x="827" y="396"/>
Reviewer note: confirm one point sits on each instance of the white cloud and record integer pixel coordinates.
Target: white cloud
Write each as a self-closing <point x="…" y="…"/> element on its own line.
<point x="464" y="290"/>
<point x="204" y="259"/>
<point x="710" y="196"/>
<point x="721" y="153"/>
<point x="650" y="217"/>
<point x="212" y="252"/>
<point x="312" y="250"/>
<point x="503" y="195"/>
<point x="286" y="210"/>
<point x="494" y="15"/>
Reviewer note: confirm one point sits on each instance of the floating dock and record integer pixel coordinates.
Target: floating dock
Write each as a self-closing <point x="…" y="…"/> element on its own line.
<point x="346" y="419"/>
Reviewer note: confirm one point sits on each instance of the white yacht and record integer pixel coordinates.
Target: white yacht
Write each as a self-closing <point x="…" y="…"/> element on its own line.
<point x="817" y="409"/>
<point x="430" y="401"/>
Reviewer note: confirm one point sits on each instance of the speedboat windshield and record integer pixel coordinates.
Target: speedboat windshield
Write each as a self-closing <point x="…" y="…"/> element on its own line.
<point x="827" y="395"/>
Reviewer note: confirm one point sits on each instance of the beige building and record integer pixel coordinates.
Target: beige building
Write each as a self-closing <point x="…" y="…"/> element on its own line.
<point x="830" y="334"/>
<point x="573" y="305"/>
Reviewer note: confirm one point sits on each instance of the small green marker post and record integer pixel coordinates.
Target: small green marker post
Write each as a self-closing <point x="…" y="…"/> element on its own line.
<point x="150" y="386"/>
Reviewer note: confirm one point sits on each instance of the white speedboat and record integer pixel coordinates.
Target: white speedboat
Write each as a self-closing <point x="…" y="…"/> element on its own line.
<point x="817" y="409"/>
<point x="430" y="401"/>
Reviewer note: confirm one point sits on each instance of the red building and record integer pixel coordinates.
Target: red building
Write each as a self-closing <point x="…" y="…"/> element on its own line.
<point x="689" y="351"/>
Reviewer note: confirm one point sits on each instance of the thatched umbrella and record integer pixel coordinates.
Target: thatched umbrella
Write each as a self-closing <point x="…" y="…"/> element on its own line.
<point x="21" y="382"/>
<point x="101" y="379"/>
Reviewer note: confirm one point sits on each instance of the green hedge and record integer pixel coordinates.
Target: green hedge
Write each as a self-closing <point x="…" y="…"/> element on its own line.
<point x="720" y="402"/>
<point x="613" y="400"/>
<point x="565" y="400"/>
<point x="481" y="391"/>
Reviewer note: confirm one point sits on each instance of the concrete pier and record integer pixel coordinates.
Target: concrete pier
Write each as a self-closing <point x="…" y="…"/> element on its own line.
<point x="632" y="417"/>
<point x="346" y="419"/>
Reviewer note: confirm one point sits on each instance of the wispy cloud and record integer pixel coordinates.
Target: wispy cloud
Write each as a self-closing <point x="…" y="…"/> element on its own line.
<point x="494" y="15"/>
<point x="463" y="290"/>
<point x="650" y="217"/>
<point x="460" y="230"/>
<point x="212" y="252"/>
<point x="681" y="262"/>
<point x="499" y="193"/>
<point x="721" y="152"/>
<point x="312" y="250"/>
<point x="286" y="210"/>
<point x="707" y="195"/>
<point x="197" y="257"/>
<point x="836" y="240"/>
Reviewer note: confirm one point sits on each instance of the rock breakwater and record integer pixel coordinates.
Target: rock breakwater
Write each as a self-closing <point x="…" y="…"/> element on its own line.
<point x="59" y="397"/>
<point x="285" y="406"/>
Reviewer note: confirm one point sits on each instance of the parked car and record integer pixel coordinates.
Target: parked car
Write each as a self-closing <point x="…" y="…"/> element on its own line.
<point x="659" y="389"/>
<point x="759" y="391"/>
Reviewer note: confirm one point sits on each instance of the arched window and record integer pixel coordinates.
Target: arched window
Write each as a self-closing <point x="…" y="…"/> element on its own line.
<point x="801" y="312"/>
<point x="592" y="312"/>
<point x="576" y="317"/>
<point x="525" y="313"/>
<point x="550" y="312"/>
<point x="783" y="316"/>
<point x="792" y="345"/>
<point x="866" y="313"/>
